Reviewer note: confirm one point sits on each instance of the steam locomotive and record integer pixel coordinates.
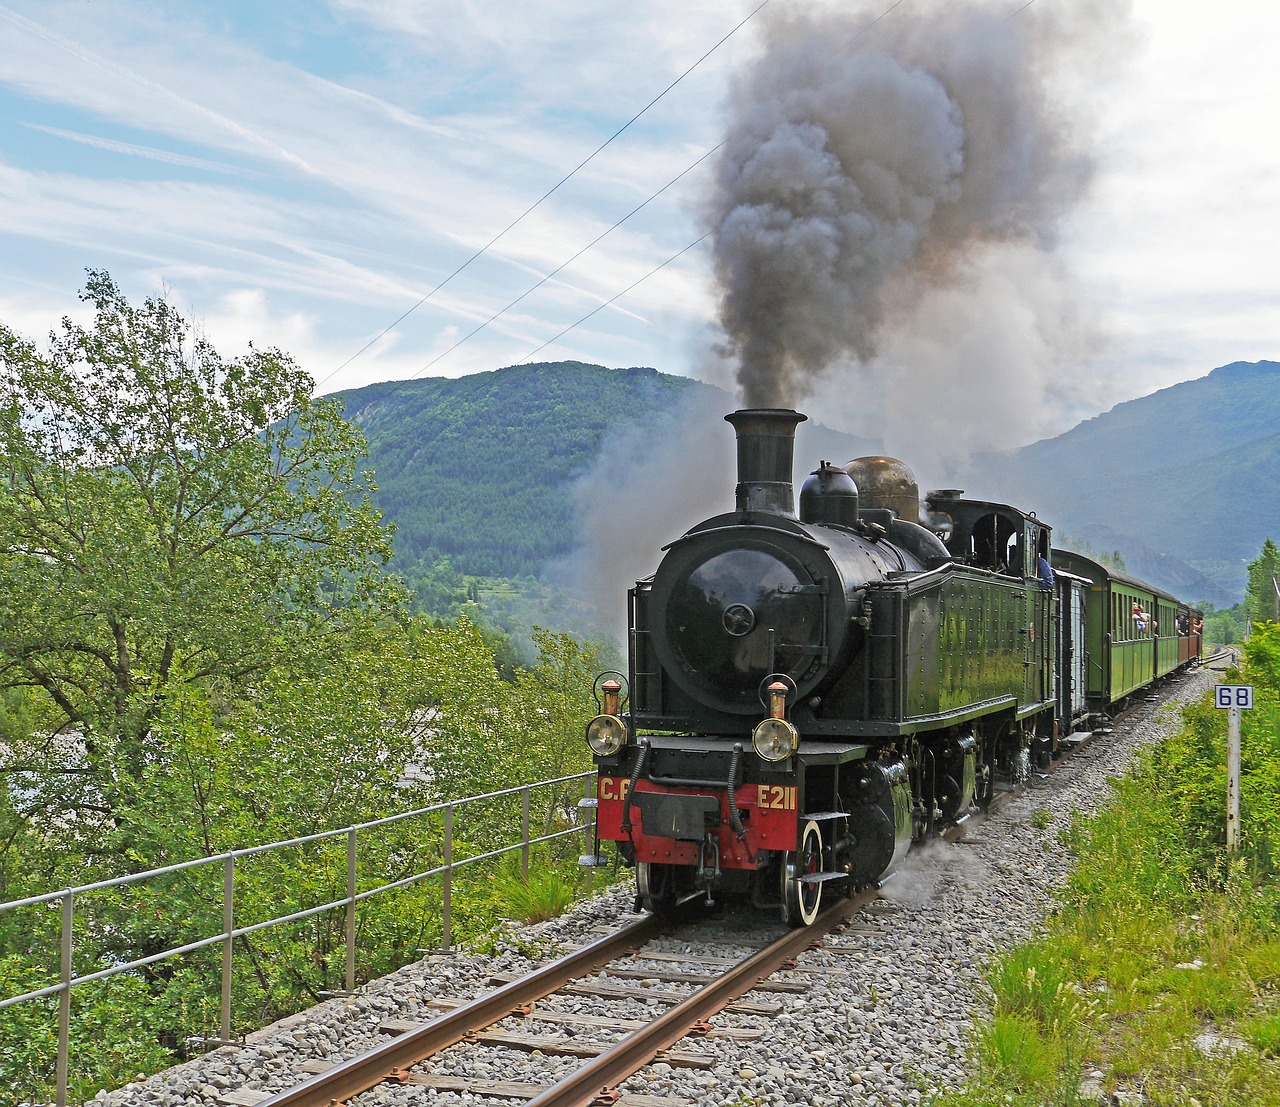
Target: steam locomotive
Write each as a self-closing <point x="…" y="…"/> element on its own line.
<point x="809" y="694"/>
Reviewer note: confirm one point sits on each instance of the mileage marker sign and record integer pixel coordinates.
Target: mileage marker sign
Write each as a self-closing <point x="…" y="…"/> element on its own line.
<point x="1233" y="698"/>
<point x="1234" y="695"/>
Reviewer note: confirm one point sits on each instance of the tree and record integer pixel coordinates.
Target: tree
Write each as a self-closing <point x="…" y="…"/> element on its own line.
<point x="1113" y="560"/>
<point x="199" y="651"/>
<point x="1223" y="626"/>
<point x="167" y="517"/>
<point x="1261" y="597"/>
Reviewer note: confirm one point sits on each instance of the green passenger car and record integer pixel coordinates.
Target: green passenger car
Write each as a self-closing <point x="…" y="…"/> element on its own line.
<point x="1133" y="630"/>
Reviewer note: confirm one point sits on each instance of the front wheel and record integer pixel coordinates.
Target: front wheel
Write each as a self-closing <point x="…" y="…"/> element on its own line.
<point x="659" y="887"/>
<point x="801" y="900"/>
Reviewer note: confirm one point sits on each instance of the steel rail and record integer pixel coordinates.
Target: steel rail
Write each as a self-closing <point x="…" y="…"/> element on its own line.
<point x="610" y="1068"/>
<point x="361" y="1073"/>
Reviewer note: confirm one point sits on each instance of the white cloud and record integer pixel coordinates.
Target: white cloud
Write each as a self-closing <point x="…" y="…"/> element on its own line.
<point x="1178" y="244"/>
<point x="134" y="150"/>
<point x="313" y="189"/>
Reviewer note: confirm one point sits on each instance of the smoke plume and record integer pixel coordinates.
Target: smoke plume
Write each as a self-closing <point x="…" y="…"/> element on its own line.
<point x="871" y="165"/>
<point x="650" y="484"/>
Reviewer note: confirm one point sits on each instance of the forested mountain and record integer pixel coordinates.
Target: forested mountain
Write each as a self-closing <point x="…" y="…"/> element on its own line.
<point x="481" y="469"/>
<point x="1189" y="474"/>
<point x="487" y="470"/>
<point x="477" y="469"/>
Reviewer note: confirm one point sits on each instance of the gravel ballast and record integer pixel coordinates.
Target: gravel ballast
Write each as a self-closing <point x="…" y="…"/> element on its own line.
<point x="889" y="998"/>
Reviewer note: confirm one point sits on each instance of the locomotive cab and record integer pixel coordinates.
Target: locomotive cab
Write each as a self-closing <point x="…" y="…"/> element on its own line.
<point x="988" y="535"/>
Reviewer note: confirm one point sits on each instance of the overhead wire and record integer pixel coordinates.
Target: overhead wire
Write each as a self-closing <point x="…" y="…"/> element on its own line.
<point x="550" y="192"/>
<point x="618" y="296"/>
<point x="548" y="276"/>
<point x="569" y="261"/>
<point x="858" y="34"/>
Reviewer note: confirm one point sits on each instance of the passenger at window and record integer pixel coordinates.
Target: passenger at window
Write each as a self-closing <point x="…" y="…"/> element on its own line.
<point x="1046" y="573"/>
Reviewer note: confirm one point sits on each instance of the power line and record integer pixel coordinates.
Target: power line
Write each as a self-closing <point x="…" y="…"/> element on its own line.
<point x="564" y="264"/>
<point x="546" y="195"/>
<point x="861" y="31"/>
<point x="611" y="299"/>
<point x="577" y="323"/>
<point x="538" y="284"/>
<point x="877" y="19"/>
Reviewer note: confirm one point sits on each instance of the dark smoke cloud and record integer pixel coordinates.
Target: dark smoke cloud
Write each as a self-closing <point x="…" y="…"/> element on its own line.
<point x="866" y="167"/>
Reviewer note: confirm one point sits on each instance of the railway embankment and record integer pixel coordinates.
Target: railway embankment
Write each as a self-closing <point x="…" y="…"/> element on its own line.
<point x="1157" y="978"/>
<point x="886" y="1014"/>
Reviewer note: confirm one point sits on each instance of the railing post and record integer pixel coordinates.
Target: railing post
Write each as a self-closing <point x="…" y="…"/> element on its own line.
<point x="448" y="875"/>
<point x="589" y="834"/>
<point x="351" y="909"/>
<point x="524" y="830"/>
<point x="64" y="999"/>
<point x="228" y="925"/>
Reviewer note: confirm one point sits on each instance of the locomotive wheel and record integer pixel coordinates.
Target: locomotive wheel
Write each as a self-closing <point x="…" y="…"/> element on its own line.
<point x="985" y="786"/>
<point x="657" y="886"/>
<point x="802" y="901"/>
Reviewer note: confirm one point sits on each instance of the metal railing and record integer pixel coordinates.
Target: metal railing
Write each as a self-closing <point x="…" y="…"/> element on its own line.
<point x="230" y="932"/>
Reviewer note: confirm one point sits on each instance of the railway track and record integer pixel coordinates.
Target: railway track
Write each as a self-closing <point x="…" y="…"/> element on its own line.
<point x="604" y="1066"/>
<point x="590" y="972"/>
<point x="586" y="1058"/>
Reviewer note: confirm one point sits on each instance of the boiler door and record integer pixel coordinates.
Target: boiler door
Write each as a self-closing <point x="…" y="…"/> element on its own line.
<point x="736" y="616"/>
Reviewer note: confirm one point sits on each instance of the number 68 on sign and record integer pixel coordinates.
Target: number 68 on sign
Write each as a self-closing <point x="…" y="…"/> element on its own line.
<point x="1239" y="696"/>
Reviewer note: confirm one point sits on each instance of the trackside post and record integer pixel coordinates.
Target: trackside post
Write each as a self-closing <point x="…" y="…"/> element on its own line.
<point x="1234" y="698"/>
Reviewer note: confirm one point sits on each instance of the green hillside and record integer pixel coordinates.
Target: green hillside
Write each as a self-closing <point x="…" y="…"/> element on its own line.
<point x="482" y="470"/>
<point x="1190" y="472"/>
<point x="477" y="469"/>
<point x="1232" y="406"/>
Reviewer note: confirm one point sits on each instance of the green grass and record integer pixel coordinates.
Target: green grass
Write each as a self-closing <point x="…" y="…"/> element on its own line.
<point x="1263" y="1033"/>
<point x="1160" y="966"/>
<point x="1034" y="983"/>
<point x="544" y="894"/>
<point x="1017" y="1053"/>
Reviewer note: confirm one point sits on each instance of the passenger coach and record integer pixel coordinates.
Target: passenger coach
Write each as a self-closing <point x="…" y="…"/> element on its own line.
<point x="1134" y="633"/>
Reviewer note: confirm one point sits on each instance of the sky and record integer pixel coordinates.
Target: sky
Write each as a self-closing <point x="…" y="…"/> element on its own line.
<point x="352" y="181"/>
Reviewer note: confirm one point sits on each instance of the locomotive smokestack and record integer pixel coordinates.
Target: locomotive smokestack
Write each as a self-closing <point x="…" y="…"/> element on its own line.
<point x="766" y="444"/>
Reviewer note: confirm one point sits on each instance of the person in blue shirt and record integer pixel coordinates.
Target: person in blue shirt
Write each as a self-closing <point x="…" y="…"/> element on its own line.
<point x="1046" y="573"/>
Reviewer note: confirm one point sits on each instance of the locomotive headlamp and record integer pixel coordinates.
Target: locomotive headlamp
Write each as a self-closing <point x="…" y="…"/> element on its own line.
<point x="606" y="735"/>
<point x="775" y="739"/>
